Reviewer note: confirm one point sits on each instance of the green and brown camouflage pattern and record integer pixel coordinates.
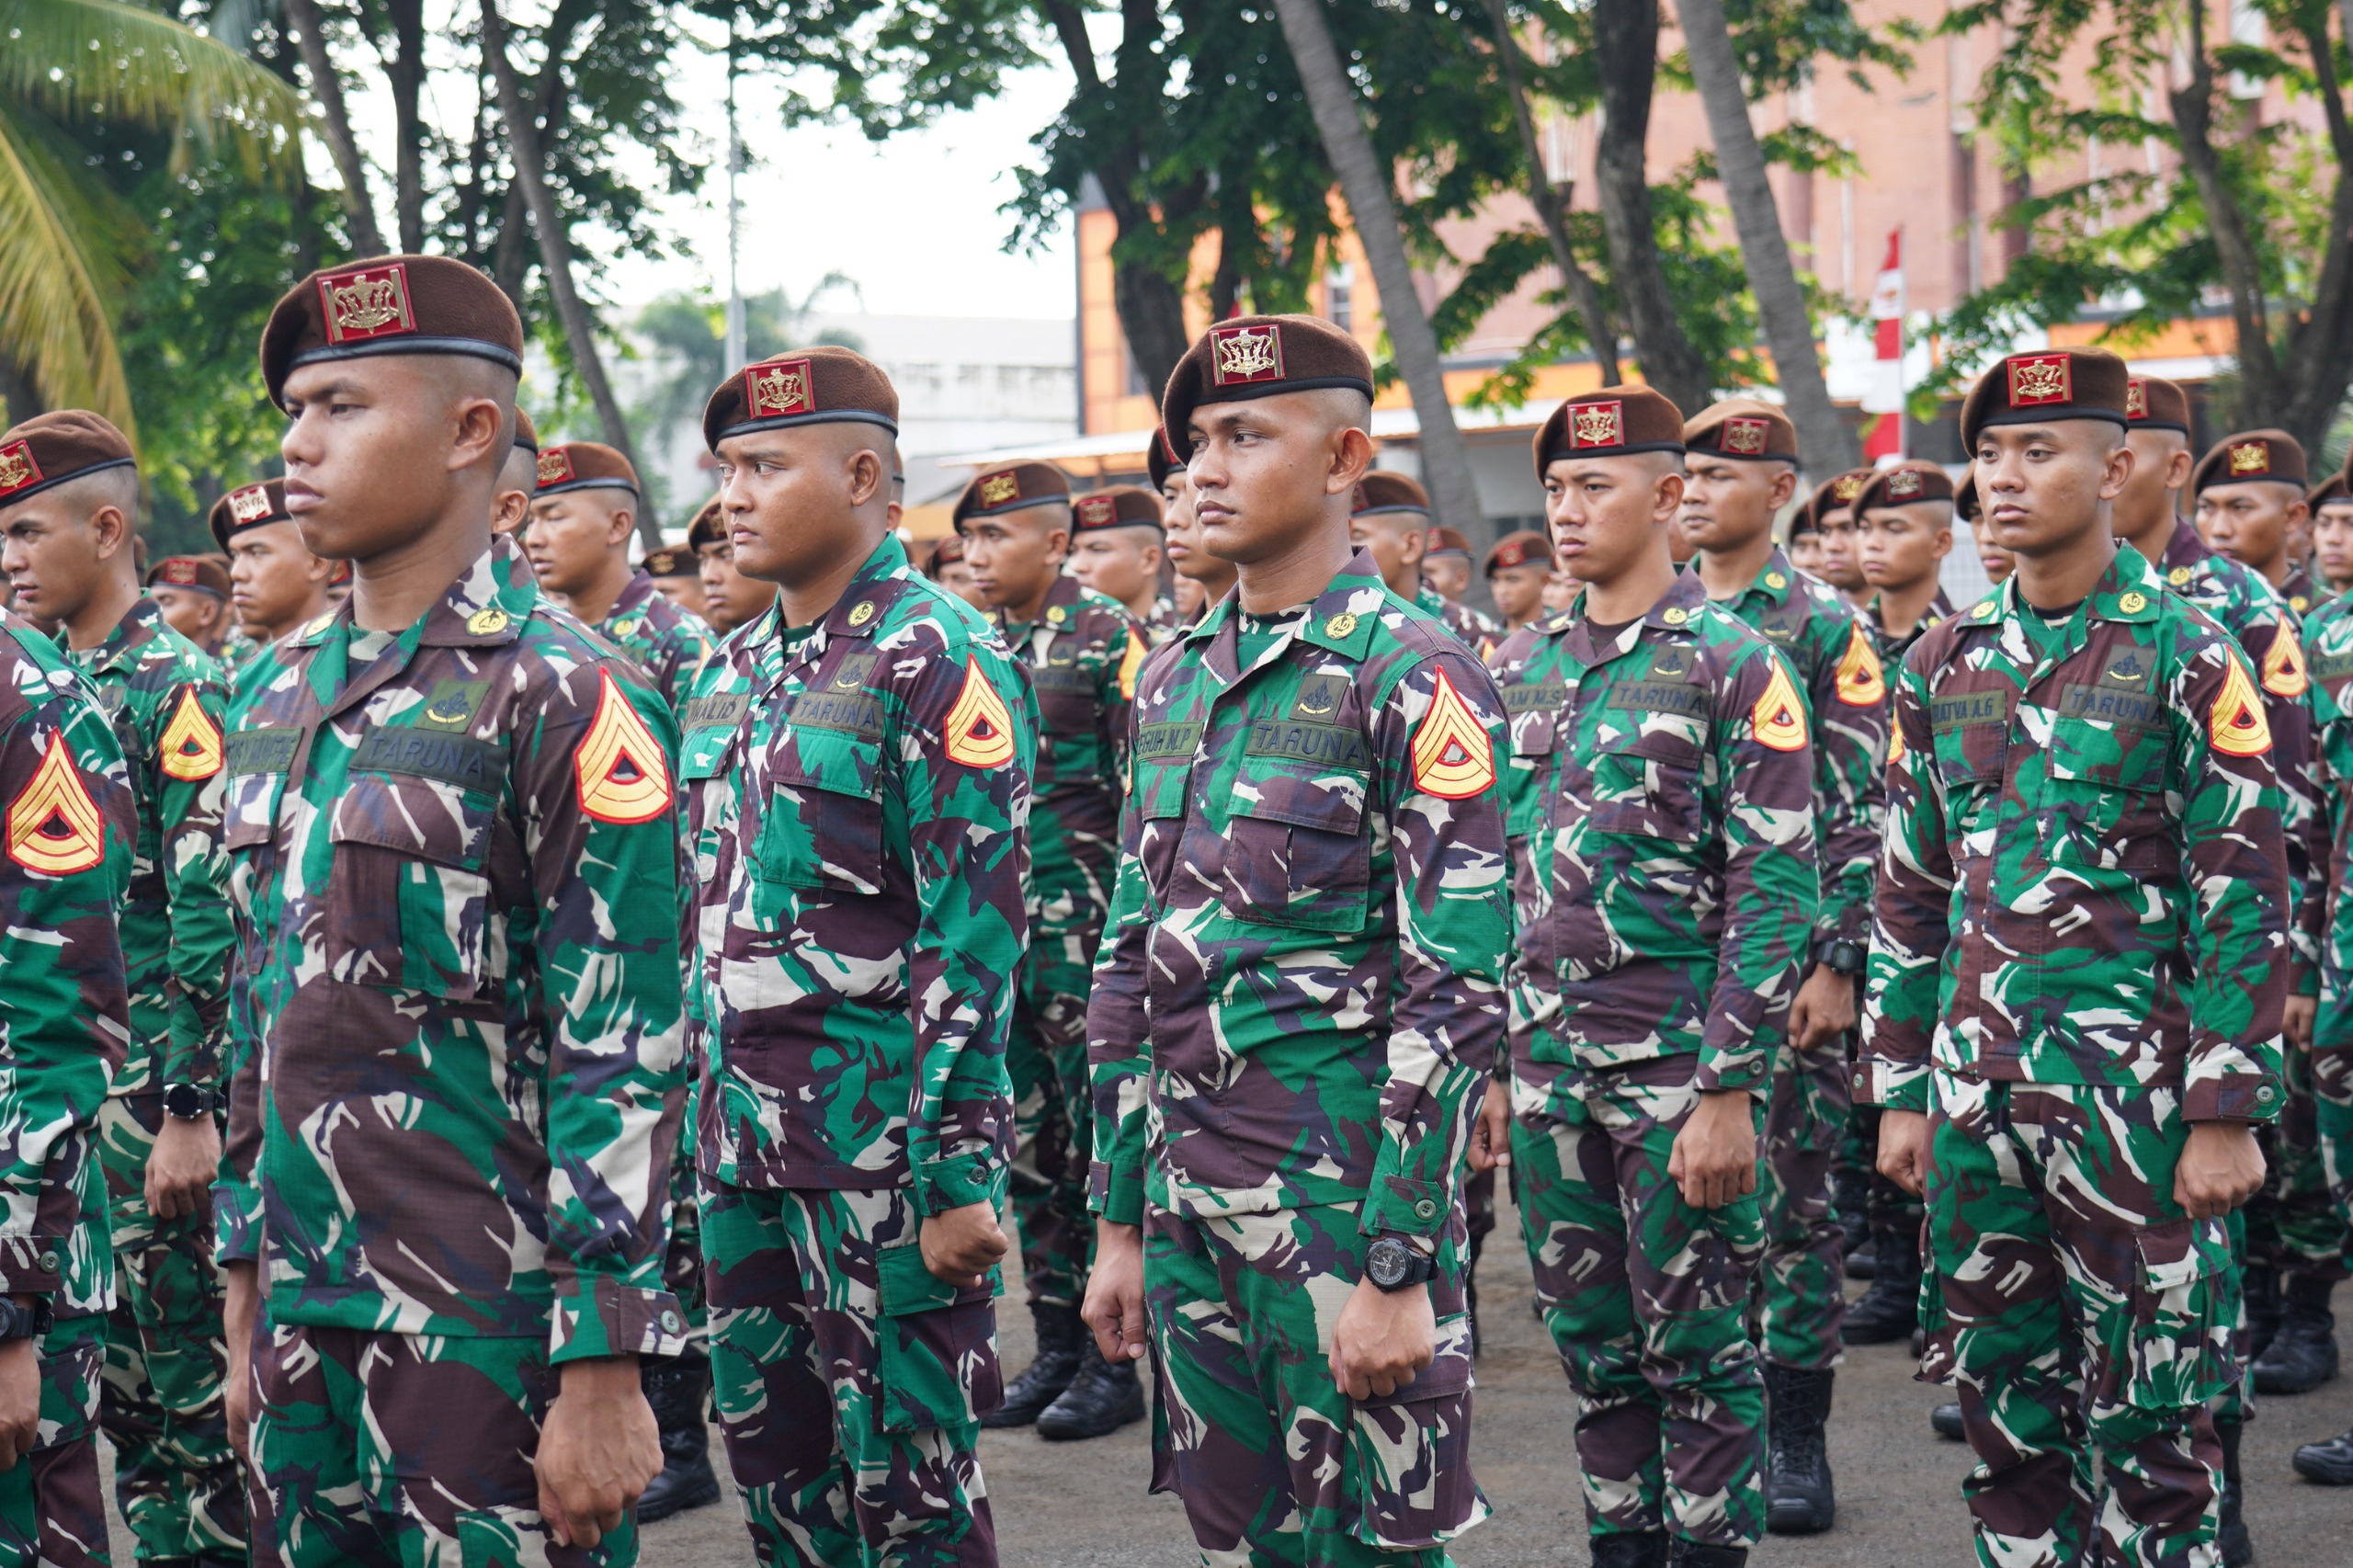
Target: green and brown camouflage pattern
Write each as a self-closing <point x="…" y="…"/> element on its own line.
<point x="670" y="642"/>
<point x="1478" y="632"/>
<point x="53" y="1503"/>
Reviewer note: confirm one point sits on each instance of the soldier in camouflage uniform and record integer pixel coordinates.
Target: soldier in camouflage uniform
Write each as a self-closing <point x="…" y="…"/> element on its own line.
<point x="677" y="576"/>
<point x="859" y="761"/>
<point x="71" y="830"/>
<point x="2332" y="508"/>
<point x="276" y="584"/>
<point x="1903" y="531"/>
<point x="2256" y="515"/>
<point x="1297" y="998"/>
<point x="1741" y="461"/>
<point x="1116" y="549"/>
<point x="1517" y="568"/>
<point x="69" y="555"/>
<point x="730" y="598"/>
<point x="583" y="514"/>
<point x="457" y="1072"/>
<point x="1081" y="651"/>
<point x="1662" y="835"/>
<point x="1446" y="564"/>
<point x="1391" y="518"/>
<point x="2076" y="983"/>
<point x="1207" y="578"/>
<point x="1830" y="514"/>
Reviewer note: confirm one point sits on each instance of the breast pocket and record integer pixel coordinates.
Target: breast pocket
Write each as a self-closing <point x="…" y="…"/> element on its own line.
<point x="2104" y="807"/>
<point x="248" y="827"/>
<point x="408" y="900"/>
<point x="821" y="830"/>
<point x="1646" y="785"/>
<point x="1297" y="854"/>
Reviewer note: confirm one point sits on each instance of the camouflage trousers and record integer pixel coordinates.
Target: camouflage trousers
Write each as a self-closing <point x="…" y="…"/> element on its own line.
<point x="403" y="1450"/>
<point x="1646" y="1299"/>
<point x="53" y="1507"/>
<point x="2293" y="1225"/>
<point x="2081" y="1316"/>
<point x="682" y="1263"/>
<point x="1273" y="1463"/>
<point x="1053" y="1119"/>
<point x="2332" y="1080"/>
<point x="850" y="1381"/>
<point x="1802" y="1304"/>
<point x="176" y="1476"/>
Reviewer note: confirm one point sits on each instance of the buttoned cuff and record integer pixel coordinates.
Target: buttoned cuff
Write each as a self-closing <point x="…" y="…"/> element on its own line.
<point x="1401" y="1204"/>
<point x="1116" y="1192"/>
<point x="1749" y="1068"/>
<point x="2234" y="1097"/>
<point x="1890" y="1086"/>
<point x="237" y="1222"/>
<point x="192" y="1054"/>
<point x="602" y="1316"/>
<point x="31" y="1264"/>
<point x="956" y="1181"/>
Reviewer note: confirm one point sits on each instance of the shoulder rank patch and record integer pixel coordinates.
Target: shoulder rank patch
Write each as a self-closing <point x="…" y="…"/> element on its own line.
<point x="1861" y="683"/>
<point x="2283" y="667"/>
<point x="1778" y="716"/>
<point x="53" y="825"/>
<point x="1894" y="744"/>
<point x="191" y="743"/>
<point x="623" y="780"/>
<point x="1454" y="757"/>
<point x="1130" y="663"/>
<point x="979" y="731"/>
<point x="2236" y="724"/>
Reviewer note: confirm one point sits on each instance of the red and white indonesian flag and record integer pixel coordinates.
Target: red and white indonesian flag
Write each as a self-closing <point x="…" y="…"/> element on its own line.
<point x="1885" y="396"/>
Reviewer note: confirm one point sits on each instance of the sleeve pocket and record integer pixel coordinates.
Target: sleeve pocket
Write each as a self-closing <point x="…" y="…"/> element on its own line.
<point x="938" y="1344"/>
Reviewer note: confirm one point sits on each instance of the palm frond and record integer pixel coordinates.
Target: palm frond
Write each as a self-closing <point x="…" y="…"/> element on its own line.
<point x="62" y="242"/>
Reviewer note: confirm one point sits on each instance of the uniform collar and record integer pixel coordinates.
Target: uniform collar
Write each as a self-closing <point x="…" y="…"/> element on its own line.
<point x="1677" y="609"/>
<point x="140" y="625"/>
<point x="1067" y="591"/>
<point x="2127" y="592"/>
<point x="1776" y="580"/>
<point x="634" y="596"/>
<point x="484" y="609"/>
<point x="1339" y="619"/>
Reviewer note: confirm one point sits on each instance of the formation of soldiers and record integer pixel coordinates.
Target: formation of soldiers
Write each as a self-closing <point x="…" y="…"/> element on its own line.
<point x="515" y="1000"/>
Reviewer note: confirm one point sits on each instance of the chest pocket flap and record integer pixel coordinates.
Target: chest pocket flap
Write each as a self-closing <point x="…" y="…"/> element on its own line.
<point x="1298" y="853"/>
<point x="1646" y="782"/>
<point x="409" y="902"/>
<point x="822" y="825"/>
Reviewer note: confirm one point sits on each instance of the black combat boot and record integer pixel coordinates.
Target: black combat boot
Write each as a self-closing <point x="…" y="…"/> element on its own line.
<point x="1646" y="1549"/>
<point x="1889" y="1310"/>
<point x="2303" y="1355"/>
<point x="1944" y="1422"/>
<point x="2260" y="1285"/>
<point x="1850" y="1202"/>
<point x="2328" y="1462"/>
<point x="1060" y="1335"/>
<point x="1799" y="1497"/>
<point x="2238" y="1549"/>
<point x="1691" y="1554"/>
<point x="1101" y="1400"/>
<point x="675" y="1389"/>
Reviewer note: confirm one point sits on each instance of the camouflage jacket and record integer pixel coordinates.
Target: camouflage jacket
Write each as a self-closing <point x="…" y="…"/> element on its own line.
<point x="1661" y="812"/>
<point x="1475" y="632"/>
<point x="1081" y="655"/>
<point x="2323" y="613"/>
<point x="859" y="806"/>
<point x="2302" y="594"/>
<point x="2252" y="611"/>
<point x="2331" y="651"/>
<point x="669" y="642"/>
<point x="1163" y="624"/>
<point x="165" y="697"/>
<point x="1892" y="648"/>
<point x="2084" y="880"/>
<point x="71" y="826"/>
<point x="455" y="868"/>
<point x="1302" y="986"/>
<point x="1831" y="647"/>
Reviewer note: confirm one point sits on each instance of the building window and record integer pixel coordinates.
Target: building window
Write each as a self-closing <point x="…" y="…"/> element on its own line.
<point x="1339" y="283"/>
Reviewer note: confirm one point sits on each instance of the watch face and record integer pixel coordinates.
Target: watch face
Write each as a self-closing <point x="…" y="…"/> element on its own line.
<point x="1387" y="1263"/>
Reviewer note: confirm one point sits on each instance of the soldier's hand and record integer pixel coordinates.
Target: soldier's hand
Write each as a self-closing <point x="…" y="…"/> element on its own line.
<point x="241" y="1306"/>
<point x="20" y="1399"/>
<point x="2220" y="1167"/>
<point x="2296" y="1020"/>
<point x="599" y="1449"/>
<point x="960" y="1246"/>
<point x="182" y="1166"/>
<point x="1904" y="1149"/>
<point x="1714" y="1157"/>
<point x="1491" y="1135"/>
<point x="1114" y="1308"/>
<point x="1823" y="1009"/>
<point x="1383" y="1340"/>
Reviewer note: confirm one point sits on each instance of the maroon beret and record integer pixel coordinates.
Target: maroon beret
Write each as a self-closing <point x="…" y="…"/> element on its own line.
<point x="2057" y="383"/>
<point x="1744" y="427"/>
<point x="391" y="304"/>
<point x="1003" y="490"/>
<point x="1904" y="485"/>
<point x="807" y="386"/>
<point x="669" y="560"/>
<point x="255" y="506"/>
<point x="1836" y="493"/>
<point x="1964" y="497"/>
<point x="1613" y="422"/>
<point x="945" y="553"/>
<point x="584" y="465"/>
<point x="527" y="435"/>
<point x="2251" y="455"/>
<point x="2152" y="402"/>
<point x="710" y="526"/>
<point x="1253" y="357"/>
<point x="201" y="573"/>
<point x="1381" y="491"/>
<point x="1120" y="506"/>
<point x="2330" y="492"/>
<point x="1524" y="549"/>
<point x="50" y="448"/>
<point x="1445" y="540"/>
<point x="1160" y="459"/>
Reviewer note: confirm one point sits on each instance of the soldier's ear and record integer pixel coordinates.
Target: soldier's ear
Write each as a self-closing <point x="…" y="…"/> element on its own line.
<point x="1351" y="459"/>
<point x="619" y="525"/>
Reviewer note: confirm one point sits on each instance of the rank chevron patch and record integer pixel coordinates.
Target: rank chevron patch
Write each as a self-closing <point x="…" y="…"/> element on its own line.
<point x="623" y="780"/>
<point x="2283" y="667"/>
<point x="1861" y="684"/>
<point x="191" y="743"/>
<point x="1778" y="716"/>
<point x="1454" y="757"/>
<point x="1130" y="663"/>
<point x="53" y="825"/>
<point x="979" y="731"/>
<point x="2236" y="724"/>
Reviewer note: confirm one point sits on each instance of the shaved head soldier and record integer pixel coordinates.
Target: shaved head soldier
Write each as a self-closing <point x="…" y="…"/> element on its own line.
<point x="1832" y="509"/>
<point x="1117" y="550"/>
<point x="2332" y="506"/>
<point x="192" y="594"/>
<point x="677" y="577"/>
<point x="730" y="598"/>
<point x="1391" y="518"/>
<point x="276" y="584"/>
<point x="946" y="565"/>
<point x="1517" y="569"/>
<point x="2249" y="491"/>
<point x="1446" y="564"/>
<point x="1202" y="579"/>
<point x="1904" y="533"/>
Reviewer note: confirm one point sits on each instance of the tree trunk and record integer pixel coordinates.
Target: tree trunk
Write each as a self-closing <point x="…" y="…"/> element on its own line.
<point x="2320" y="354"/>
<point x="531" y="173"/>
<point x="1446" y="461"/>
<point x="2192" y="105"/>
<point x="1625" y="37"/>
<point x="1826" y="440"/>
<point x="1551" y="202"/>
<point x="327" y="88"/>
<point x="405" y="72"/>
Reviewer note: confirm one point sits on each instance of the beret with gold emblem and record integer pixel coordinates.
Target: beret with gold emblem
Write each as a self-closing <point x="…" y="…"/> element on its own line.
<point x="1254" y="357"/>
<point x="1526" y="547"/>
<point x="1381" y="492"/>
<point x="1744" y="427"/>
<point x="1002" y="490"/>
<point x="1613" y="422"/>
<point x="1445" y="540"/>
<point x="527" y="435"/>
<point x="392" y="304"/>
<point x="254" y="506"/>
<point x="710" y="526"/>
<point x="1836" y="493"/>
<point x="1964" y="497"/>
<point x="1120" y="506"/>
<point x="50" y="448"/>
<point x="2057" y="383"/>
<point x="2251" y="455"/>
<point x="945" y="551"/>
<point x="1160" y="459"/>
<point x="824" y="385"/>
<point x="1903" y="485"/>
<point x="669" y="560"/>
<point x="201" y="573"/>
<point x="2152" y="402"/>
<point x="583" y="465"/>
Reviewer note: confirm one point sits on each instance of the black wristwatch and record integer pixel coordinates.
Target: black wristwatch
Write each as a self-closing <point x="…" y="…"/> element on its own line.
<point x="185" y="1102"/>
<point x="1844" y="956"/>
<point x="24" y="1323"/>
<point x="1392" y="1265"/>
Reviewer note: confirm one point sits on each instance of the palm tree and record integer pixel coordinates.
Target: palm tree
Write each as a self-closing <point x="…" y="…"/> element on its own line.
<point x="68" y="244"/>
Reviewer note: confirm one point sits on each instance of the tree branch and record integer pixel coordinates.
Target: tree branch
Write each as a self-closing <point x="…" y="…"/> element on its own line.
<point x="327" y="88"/>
